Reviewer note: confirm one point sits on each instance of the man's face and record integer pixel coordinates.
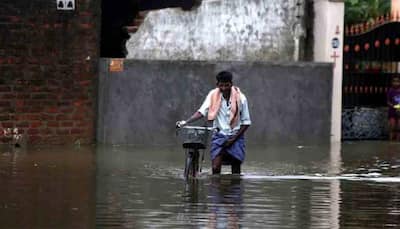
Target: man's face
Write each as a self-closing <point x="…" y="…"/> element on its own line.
<point x="396" y="83"/>
<point x="224" y="87"/>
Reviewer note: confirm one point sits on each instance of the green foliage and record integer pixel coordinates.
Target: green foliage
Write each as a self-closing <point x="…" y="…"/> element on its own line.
<point x="357" y="11"/>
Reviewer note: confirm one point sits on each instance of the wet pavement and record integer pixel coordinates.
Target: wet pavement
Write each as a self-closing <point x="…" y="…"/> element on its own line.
<point x="352" y="185"/>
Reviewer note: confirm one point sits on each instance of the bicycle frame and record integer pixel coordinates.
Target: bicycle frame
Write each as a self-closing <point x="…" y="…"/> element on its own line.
<point x="192" y="167"/>
<point x="193" y="150"/>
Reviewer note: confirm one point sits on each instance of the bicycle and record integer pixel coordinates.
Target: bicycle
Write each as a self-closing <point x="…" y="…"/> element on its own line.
<point x="195" y="140"/>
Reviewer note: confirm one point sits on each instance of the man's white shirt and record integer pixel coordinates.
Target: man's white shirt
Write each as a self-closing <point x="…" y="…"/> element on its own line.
<point x="223" y="117"/>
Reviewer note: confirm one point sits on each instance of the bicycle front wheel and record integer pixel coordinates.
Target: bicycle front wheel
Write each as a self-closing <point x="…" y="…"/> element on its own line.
<point x="191" y="164"/>
<point x="188" y="166"/>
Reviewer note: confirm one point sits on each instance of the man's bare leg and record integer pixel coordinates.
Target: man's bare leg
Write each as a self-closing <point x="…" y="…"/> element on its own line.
<point x="216" y="164"/>
<point x="235" y="166"/>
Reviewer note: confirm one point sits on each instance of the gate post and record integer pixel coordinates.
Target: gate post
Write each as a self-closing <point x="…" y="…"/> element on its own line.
<point x="328" y="41"/>
<point x="395" y="7"/>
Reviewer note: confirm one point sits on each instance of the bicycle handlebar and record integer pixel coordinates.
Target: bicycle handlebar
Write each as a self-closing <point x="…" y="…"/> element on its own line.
<point x="198" y="128"/>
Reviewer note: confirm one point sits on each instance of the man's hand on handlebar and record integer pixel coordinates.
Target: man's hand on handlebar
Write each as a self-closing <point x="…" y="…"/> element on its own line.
<point x="228" y="143"/>
<point x="180" y="124"/>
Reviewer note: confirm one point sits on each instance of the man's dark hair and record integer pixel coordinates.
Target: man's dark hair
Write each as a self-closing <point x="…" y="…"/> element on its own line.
<point x="224" y="77"/>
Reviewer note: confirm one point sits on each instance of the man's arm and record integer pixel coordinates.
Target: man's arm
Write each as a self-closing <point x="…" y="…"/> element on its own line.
<point x="196" y="116"/>
<point x="241" y="131"/>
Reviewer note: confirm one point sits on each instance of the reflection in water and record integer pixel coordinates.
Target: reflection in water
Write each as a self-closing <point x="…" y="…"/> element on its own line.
<point x="353" y="185"/>
<point x="335" y="165"/>
<point x="282" y="187"/>
<point x="224" y="198"/>
<point x="47" y="188"/>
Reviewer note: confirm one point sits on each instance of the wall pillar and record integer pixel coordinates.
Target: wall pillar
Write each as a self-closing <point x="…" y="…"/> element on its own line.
<point x="328" y="34"/>
<point x="395" y="7"/>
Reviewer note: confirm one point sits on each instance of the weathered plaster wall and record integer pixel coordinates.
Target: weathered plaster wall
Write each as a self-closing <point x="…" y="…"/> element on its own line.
<point x="289" y="102"/>
<point x="219" y="30"/>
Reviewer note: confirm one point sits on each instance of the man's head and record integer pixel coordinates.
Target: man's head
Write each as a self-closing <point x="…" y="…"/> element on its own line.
<point x="396" y="82"/>
<point x="224" y="82"/>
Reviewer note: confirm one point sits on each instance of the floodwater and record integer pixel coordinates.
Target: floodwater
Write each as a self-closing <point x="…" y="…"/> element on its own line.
<point x="352" y="185"/>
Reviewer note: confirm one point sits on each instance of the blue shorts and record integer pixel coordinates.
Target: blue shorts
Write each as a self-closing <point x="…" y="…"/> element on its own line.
<point x="236" y="150"/>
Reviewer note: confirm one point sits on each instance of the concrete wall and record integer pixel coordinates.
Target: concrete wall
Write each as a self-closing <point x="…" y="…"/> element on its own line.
<point x="48" y="71"/>
<point x="244" y="30"/>
<point x="289" y="103"/>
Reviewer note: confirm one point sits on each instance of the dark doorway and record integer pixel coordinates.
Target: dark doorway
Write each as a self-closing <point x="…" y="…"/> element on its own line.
<point x="116" y="15"/>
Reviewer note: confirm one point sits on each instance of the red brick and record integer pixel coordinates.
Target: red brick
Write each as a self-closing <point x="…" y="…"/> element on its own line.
<point x="33" y="131"/>
<point x="23" y="96"/>
<point x="22" y="110"/>
<point x="85" y="76"/>
<point x="63" y="131"/>
<point x="33" y="116"/>
<point x="67" y="124"/>
<point x="19" y="103"/>
<point x="14" y="19"/>
<point x="4" y="117"/>
<point x="64" y="103"/>
<point x="34" y="139"/>
<point x="35" y="109"/>
<point x="86" y="14"/>
<point x="84" y="98"/>
<point x="83" y="123"/>
<point x="67" y="97"/>
<point x="7" y="96"/>
<point x="52" y="110"/>
<point x="39" y="96"/>
<point x="86" y="25"/>
<point x="7" y="124"/>
<point x="53" y="124"/>
<point x="47" y="103"/>
<point x="78" y="116"/>
<point x="5" y="139"/>
<point x="63" y="117"/>
<point x="32" y="60"/>
<point x="35" y="124"/>
<point x="46" y="117"/>
<point x="5" y="103"/>
<point x="78" y="103"/>
<point x="20" y="117"/>
<point x="85" y="83"/>
<point x="52" y="82"/>
<point x="76" y="131"/>
<point x="22" y="125"/>
<point x="20" y="89"/>
<point x="66" y="110"/>
<point x="47" y="131"/>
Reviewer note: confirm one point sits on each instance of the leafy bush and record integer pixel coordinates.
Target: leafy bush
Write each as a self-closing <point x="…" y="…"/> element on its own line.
<point x="358" y="11"/>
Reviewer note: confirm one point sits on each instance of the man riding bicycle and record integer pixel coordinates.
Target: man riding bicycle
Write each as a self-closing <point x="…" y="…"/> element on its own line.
<point x="227" y="107"/>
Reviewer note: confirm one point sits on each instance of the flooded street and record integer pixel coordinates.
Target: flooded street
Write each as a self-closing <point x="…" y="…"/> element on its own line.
<point x="353" y="185"/>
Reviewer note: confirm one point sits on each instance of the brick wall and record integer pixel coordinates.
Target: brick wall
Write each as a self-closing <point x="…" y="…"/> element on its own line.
<point x="48" y="71"/>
